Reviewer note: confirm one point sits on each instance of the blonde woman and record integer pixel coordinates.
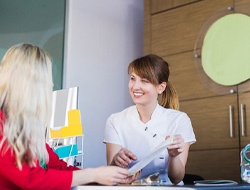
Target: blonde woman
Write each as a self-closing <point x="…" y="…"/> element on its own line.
<point x="26" y="161"/>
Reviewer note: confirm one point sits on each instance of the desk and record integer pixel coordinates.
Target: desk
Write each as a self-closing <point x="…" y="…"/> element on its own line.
<point x="191" y="187"/>
<point x="130" y="187"/>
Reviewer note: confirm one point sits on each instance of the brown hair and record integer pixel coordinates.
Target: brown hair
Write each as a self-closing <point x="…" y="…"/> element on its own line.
<point x="156" y="70"/>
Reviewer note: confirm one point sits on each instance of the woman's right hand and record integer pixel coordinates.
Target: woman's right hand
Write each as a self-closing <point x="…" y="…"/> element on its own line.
<point x="123" y="158"/>
<point x="105" y="175"/>
<point x="113" y="175"/>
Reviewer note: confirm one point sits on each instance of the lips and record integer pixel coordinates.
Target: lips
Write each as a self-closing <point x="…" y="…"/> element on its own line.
<point x="138" y="94"/>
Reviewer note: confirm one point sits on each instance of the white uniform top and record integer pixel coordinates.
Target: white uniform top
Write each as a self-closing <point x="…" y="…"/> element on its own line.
<point x="127" y="130"/>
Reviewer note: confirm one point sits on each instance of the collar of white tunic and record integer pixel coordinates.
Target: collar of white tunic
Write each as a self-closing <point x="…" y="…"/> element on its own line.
<point x="157" y="111"/>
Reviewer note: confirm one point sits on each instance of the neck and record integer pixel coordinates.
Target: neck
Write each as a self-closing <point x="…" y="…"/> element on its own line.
<point x="145" y="112"/>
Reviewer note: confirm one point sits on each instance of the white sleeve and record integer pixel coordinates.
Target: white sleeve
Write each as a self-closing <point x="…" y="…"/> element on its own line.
<point x="184" y="127"/>
<point x="111" y="134"/>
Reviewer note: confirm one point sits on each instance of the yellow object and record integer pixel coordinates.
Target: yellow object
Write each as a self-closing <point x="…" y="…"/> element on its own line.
<point x="74" y="127"/>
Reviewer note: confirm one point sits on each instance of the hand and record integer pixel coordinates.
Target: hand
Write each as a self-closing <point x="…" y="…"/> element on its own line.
<point x="113" y="175"/>
<point x="123" y="158"/>
<point x="130" y="179"/>
<point x="177" y="146"/>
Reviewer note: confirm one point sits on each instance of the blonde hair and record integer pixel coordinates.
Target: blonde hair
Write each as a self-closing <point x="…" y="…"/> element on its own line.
<point x="25" y="99"/>
<point x="156" y="70"/>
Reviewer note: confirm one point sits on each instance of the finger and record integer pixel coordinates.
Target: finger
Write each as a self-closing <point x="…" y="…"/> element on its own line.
<point x="179" y="138"/>
<point x="115" y="183"/>
<point x="167" y="137"/>
<point x="120" y="162"/>
<point x="178" y="142"/>
<point x="180" y="150"/>
<point x="137" y="174"/>
<point x="176" y="146"/>
<point x="123" y="172"/>
<point x="128" y="157"/>
<point x="173" y="146"/>
<point x="120" y="176"/>
<point x="129" y="179"/>
<point x="128" y="153"/>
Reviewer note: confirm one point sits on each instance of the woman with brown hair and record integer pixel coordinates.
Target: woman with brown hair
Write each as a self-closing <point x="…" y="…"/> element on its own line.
<point x="133" y="133"/>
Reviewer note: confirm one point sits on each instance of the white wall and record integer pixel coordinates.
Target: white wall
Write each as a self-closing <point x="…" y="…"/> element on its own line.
<point x="102" y="38"/>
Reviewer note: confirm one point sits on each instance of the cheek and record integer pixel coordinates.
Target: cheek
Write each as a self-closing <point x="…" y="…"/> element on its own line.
<point x="130" y="88"/>
<point x="153" y="92"/>
<point x="130" y="85"/>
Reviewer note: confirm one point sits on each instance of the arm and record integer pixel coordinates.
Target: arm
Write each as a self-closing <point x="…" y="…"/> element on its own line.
<point x="101" y="175"/>
<point x="118" y="156"/>
<point x="31" y="177"/>
<point x="178" y="153"/>
<point x="105" y="175"/>
<point x="35" y="177"/>
<point x="111" y="151"/>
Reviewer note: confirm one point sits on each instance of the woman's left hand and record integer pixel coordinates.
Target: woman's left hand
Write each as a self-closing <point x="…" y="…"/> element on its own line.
<point x="177" y="146"/>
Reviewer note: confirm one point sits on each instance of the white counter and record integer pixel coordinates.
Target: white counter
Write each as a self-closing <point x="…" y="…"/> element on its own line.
<point x="131" y="188"/>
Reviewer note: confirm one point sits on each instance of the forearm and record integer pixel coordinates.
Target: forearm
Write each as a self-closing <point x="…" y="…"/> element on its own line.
<point x="118" y="156"/>
<point x="105" y="175"/>
<point x="83" y="176"/>
<point x="111" y="151"/>
<point x="176" y="169"/>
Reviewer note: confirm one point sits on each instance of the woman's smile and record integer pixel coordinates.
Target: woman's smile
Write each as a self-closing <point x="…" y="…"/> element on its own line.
<point x="138" y="94"/>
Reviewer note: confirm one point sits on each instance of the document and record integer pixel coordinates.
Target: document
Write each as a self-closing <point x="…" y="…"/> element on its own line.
<point x="142" y="163"/>
<point x="215" y="182"/>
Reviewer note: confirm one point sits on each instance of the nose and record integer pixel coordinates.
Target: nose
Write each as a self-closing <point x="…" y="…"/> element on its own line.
<point x="136" y="85"/>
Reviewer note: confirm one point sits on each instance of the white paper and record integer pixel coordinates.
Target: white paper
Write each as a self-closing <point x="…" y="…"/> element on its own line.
<point x="141" y="164"/>
<point x="215" y="182"/>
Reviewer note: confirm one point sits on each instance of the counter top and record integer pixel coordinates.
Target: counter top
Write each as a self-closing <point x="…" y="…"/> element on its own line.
<point x="191" y="187"/>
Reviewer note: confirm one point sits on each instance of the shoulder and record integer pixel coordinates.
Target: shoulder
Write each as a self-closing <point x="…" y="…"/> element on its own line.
<point x="175" y="114"/>
<point x="171" y="111"/>
<point x="121" y="117"/>
<point x="123" y="113"/>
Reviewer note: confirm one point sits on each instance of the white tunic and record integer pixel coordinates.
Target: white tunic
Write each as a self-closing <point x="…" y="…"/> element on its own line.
<point x="127" y="130"/>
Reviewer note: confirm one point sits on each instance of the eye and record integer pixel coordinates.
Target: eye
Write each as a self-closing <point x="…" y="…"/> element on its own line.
<point x="132" y="78"/>
<point x="144" y="81"/>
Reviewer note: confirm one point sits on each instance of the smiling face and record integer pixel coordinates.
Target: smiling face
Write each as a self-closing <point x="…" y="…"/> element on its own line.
<point x="143" y="92"/>
<point x="148" y="78"/>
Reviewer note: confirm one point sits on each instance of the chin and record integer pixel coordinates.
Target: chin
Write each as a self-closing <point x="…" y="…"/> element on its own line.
<point x="138" y="103"/>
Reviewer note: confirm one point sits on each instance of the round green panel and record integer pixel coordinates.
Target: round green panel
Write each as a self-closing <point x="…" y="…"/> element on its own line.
<point x="226" y="50"/>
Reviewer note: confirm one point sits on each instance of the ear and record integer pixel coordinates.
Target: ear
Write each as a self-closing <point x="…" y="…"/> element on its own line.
<point x="162" y="87"/>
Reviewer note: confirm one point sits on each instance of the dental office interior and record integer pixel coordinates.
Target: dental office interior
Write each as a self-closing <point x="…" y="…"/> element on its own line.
<point x="206" y="44"/>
